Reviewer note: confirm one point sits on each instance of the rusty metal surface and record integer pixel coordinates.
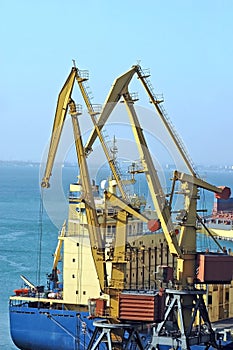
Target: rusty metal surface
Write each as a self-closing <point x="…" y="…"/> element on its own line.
<point x="214" y="268"/>
<point x="137" y="307"/>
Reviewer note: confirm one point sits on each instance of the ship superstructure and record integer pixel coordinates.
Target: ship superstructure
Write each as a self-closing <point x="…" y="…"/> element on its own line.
<point x="220" y="222"/>
<point x="130" y="275"/>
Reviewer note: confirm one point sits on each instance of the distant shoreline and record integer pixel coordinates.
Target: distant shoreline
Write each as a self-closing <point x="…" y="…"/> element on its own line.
<point x="200" y="168"/>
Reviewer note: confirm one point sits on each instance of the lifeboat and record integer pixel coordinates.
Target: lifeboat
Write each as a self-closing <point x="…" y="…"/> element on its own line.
<point x="22" y="291"/>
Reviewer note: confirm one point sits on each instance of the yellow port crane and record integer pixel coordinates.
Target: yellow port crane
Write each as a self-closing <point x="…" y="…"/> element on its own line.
<point x="187" y="241"/>
<point x="186" y="298"/>
<point x="64" y="102"/>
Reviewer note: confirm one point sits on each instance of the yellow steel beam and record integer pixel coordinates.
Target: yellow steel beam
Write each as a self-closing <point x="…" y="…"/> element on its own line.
<point x="57" y="254"/>
<point x="165" y="121"/>
<point x="116" y="201"/>
<point x="60" y="115"/>
<point x="119" y="87"/>
<point x="197" y="181"/>
<point x="154" y="185"/>
<point x="97" y="246"/>
<point x="118" y="263"/>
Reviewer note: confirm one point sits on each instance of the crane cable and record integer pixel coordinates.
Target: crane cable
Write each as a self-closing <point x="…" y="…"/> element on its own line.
<point x="40" y="235"/>
<point x="203" y="237"/>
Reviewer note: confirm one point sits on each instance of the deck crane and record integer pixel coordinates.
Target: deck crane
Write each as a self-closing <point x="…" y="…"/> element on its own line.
<point x="97" y="246"/>
<point x="64" y="102"/>
<point x="118" y="262"/>
<point x="185" y="301"/>
<point x="59" y="120"/>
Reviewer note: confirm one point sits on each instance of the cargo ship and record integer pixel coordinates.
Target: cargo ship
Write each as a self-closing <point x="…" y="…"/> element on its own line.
<point x="131" y="274"/>
<point x="220" y="222"/>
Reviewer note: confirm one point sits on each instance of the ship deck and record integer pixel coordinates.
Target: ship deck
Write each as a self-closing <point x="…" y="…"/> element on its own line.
<point x="223" y="324"/>
<point x="224" y="330"/>
<point x="37" y="299"/>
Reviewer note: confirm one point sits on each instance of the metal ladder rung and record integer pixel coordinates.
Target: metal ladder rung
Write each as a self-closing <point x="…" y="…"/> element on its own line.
<point x="165" y="116"/>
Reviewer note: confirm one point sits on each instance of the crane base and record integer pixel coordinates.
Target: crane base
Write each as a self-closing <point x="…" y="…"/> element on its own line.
<point x="115" y="336"/>
<point x="177" y="328"/>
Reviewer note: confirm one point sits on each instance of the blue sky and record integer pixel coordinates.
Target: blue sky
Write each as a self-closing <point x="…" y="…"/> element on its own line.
<point x="188" y="46"/>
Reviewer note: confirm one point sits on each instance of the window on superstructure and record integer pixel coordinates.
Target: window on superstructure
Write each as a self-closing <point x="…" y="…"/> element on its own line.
<point x="134" y="229"/>
<point x="74" y="194"/>
<point x="129" y="230"/>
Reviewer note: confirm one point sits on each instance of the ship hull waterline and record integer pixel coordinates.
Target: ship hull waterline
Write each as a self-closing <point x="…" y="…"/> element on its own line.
<point x="44" y="329"/>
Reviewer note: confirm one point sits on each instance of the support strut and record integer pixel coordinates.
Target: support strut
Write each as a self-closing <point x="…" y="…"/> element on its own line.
<point x="175" y="331"/>
<point x="117" y="336"/>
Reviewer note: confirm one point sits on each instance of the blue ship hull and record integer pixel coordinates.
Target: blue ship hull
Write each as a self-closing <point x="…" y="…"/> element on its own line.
<point x="35" y="328"/>
<point x="47" y="329"/>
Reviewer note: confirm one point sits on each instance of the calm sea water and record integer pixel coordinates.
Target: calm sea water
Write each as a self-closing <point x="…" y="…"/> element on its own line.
<point x="20" y="230"/>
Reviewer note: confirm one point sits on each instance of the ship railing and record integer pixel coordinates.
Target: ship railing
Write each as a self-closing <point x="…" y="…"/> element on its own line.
<point x="84" y="74"/>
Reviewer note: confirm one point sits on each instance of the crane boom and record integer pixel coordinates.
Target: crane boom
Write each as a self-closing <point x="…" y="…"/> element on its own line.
<point x="65" y="101"/>
<point x="119" y="86"/>
<point x="60" y="115"/>
<point x="156" y="191"/>
<point x="199" y="182"/>
<point x="173" y="134"/>
<point x="97" y="246"/>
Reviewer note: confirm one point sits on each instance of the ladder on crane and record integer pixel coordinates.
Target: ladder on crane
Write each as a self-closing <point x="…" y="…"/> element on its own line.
<point x="94" y="110"/>
<point x="144" y="75"/>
